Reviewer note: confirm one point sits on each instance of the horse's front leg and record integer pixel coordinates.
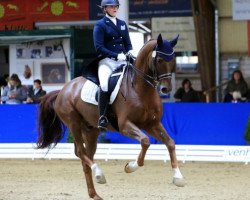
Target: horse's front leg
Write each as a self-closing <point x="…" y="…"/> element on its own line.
<point x="159" y="132"/>
<point x="131" y="130"/>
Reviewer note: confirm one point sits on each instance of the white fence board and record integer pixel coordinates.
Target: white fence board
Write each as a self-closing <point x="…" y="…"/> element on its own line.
<point x="131" y="151"/>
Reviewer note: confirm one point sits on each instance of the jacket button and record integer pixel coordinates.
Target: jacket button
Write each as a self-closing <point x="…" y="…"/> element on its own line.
<point x="120" y="44"/>
<point x="121" y="37"/>
<point x="114" y="45"/>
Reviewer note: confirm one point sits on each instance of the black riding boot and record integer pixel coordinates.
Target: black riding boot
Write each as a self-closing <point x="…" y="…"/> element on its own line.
<point x="103" y="102"/>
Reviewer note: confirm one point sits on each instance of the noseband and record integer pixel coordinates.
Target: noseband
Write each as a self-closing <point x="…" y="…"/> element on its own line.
<point x="155" y="78"/>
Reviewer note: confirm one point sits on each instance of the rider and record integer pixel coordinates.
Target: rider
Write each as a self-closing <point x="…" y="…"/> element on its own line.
<point x="112" y="42"/>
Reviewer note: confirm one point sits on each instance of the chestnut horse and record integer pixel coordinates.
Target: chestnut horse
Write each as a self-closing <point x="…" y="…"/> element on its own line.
<point x="137" y="107"/>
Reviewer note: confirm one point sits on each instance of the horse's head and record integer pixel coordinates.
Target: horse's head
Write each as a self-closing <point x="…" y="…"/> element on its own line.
<point x="163" y="63"/>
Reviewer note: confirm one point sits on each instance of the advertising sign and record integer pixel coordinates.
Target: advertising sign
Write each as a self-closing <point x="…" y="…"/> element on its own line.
<point x="59" y="10"/>
<point x="13" y="16"/>
<point x="170" y="27"/>
<point x="21" y="15"/>
<point x="241" y="9"/>
<point x="145" y="9"/>
<point x="159" y="8"/>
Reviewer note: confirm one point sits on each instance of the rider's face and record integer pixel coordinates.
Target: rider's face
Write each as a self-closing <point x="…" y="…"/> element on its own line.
<point x="112" y="10"/>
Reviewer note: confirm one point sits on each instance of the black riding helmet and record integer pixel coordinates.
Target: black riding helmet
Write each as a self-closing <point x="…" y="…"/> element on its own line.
<point x="109" y="3"/>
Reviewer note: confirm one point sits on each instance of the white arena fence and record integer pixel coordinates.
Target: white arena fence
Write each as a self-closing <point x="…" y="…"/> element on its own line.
<point x="107" y="152"/>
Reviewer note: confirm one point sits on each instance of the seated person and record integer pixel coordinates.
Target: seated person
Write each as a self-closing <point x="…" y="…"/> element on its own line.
<point x="3" y="82"/>
<point x="237" y="98"/>
<point x="36" y="95"/>
<point x="14" y="93"/>
<point x="186" y="93"/>
<point x="236" y="84"/>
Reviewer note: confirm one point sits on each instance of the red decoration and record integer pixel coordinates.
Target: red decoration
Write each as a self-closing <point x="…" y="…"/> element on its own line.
<point x="58" y="10"/>
<point x="17" y="14"/>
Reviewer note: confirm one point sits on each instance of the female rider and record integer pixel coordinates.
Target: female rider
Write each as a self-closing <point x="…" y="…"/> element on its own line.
<point x="112" y="42"/>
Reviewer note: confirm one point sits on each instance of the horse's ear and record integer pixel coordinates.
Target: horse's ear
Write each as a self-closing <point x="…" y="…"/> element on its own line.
<point x="159" y="40"/>
<point x="174" y="41"/>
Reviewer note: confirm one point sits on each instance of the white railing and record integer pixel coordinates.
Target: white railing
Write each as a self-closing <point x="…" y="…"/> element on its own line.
<point x="130" y="152"/>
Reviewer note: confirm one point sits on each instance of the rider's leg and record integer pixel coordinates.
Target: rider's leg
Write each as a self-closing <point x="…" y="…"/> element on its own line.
<point x="104" y="73"/>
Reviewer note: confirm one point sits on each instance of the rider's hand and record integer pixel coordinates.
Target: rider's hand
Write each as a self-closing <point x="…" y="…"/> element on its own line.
<point x="121" y="57"/>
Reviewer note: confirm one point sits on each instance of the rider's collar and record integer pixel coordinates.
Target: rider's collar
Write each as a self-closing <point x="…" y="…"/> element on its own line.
<point x="110" y="17"/>
<point x="113" y="19"/>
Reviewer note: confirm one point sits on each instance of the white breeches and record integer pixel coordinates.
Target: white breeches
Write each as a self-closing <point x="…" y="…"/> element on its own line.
<point x="105" y="69"/>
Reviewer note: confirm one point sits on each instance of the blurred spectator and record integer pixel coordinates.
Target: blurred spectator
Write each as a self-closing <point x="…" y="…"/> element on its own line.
<point x="236" y="84"/>
<point x="3" y="82"/>
<point x="14" y="92"/>
<point x="237" y="98"/>
<point x="186" y="93"/>
<point x="36" y="95"/>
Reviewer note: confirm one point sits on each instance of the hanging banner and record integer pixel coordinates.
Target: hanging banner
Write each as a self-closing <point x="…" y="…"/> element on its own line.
<point x="146" y="9"/>
<point x="21" y="15"/>
<point x="159" y="8"/>
<point x="12" y="10"/>
<point x="58" y="10"/>
<point x="241" y="10"/>
<point x="170" y="27"/>
<point x="95" y="12"/>
<point x="13" y="15"/>
<point x="17" y="25"/>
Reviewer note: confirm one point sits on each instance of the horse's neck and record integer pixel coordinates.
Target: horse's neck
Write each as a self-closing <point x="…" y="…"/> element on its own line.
<point x="139" y="84"/>
<point x="142" y="60"/>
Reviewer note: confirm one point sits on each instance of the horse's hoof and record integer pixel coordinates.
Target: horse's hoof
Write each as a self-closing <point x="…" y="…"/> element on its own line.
<point x="131" y="167"/>
<point x="100" y="179"/>
<point x="180" y="182"/>
<point x="96" y="197"/>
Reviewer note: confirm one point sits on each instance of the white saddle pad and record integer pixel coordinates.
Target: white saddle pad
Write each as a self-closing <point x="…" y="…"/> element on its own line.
<point x="89" y="90"/>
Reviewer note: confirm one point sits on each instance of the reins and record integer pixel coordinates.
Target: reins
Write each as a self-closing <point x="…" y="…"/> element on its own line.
<point x="154" y="80"/>
<point x="149" y="79"/>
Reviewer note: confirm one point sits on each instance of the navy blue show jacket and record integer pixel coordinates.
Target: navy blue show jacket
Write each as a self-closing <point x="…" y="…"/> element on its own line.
<point x="111" y="39"/>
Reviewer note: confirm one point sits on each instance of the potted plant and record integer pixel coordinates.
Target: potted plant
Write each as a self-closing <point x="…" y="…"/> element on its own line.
<point x="247" y="132"/>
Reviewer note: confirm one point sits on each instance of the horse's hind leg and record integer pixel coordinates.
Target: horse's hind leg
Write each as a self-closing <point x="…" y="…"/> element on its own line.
<point x="90" y="136"/>
<point x="75" y="125"/>
<point x="161" y="134"/>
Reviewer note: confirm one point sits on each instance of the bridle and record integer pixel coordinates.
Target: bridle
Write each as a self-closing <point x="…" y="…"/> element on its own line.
<point x="155" y="79"/>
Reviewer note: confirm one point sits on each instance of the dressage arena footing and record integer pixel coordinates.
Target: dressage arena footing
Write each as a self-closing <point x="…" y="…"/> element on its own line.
<point x="60" y="179"/>
<point x="58" y="174"/>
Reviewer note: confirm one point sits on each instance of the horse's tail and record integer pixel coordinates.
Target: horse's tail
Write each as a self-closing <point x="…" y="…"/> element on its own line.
<point x="50" y="127"/>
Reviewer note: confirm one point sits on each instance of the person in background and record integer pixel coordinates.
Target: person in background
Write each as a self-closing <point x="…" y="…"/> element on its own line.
<point x="3" y="82"/>
<point x="36" y="95"/>
<point x="14" y="93"/>
<point x="236" y="84"/>
<point x="186" y="93"/>
<point x="237" y="98"/>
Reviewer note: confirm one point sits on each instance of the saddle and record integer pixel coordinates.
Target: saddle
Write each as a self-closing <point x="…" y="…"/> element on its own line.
<point x="90" y="90"/>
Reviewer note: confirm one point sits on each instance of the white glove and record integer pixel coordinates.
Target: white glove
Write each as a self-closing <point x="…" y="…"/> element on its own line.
<point x="132" y="52"/>
<point x="121" y="57"/>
